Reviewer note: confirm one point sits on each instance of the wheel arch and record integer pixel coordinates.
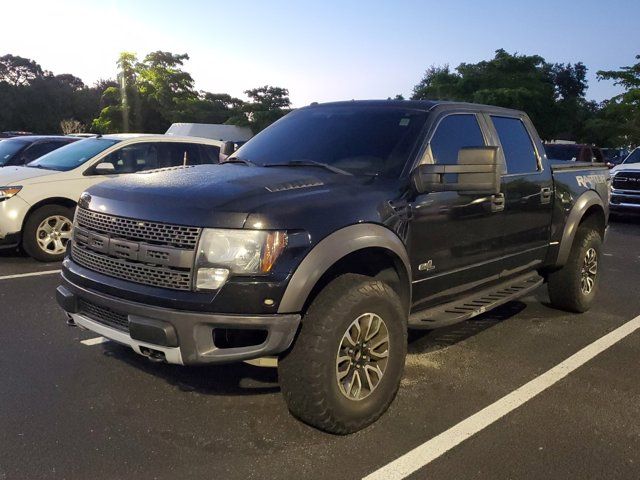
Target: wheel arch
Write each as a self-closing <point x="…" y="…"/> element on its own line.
<point x="63" y="201"/>
<point x="588" y="209"/>
<point x="368" y="249"/>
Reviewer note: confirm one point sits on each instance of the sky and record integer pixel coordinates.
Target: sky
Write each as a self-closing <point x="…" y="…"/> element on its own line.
<point x="320" y="50"/>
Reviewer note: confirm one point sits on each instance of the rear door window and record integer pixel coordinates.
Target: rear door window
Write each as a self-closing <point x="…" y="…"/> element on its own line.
<point x="453" y="133"/>
<point x="517" y="145"/>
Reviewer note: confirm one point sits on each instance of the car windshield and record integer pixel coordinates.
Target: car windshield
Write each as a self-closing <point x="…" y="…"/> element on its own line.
<point x="73" y="155"/>
<point x="9" y="148"/>
<point x="562" y="152"/>
<point x="360" y="140"/>
<point x="634" y="157"/>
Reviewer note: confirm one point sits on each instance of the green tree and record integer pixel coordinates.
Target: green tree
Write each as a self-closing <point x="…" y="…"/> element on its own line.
<point x="19" y="71"/>
<point x="550" y="94"/>
<point x="267" y="104"/>
<point x="621" y="114"/>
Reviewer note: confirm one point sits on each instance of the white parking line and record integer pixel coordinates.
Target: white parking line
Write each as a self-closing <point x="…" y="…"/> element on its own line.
<point x="439" y="445"/>
<point x="94" y="341"/>
<point x="32" y="274"/>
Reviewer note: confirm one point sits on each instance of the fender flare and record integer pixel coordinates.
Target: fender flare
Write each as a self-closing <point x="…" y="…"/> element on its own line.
<point x="331" y="249"/>
<point x="576" y="214"/>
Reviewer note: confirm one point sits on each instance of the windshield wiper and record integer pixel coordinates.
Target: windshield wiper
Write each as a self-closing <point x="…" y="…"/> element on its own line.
<point x="239" y="160"/>
<point x="310" y="163"/>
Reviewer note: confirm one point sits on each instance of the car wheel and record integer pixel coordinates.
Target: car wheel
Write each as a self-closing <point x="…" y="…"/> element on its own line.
<point x="345" y="366"/>
<point x="575" y="285"/>
<point x="47" y="232"/>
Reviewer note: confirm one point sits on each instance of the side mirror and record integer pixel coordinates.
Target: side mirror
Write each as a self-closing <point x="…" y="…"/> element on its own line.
<point x="477" y="172"/>
<point x="227" y="148"/>
<point x="105" y="168"/>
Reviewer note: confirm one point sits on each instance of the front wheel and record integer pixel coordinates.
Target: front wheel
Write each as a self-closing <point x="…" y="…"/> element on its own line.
<point x="47" y="232"/>
<point x="345" y="367"/>
<point x="575" y="285"/>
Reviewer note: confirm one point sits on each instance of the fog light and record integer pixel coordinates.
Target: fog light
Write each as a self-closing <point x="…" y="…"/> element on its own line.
<point x="211" y="278"/>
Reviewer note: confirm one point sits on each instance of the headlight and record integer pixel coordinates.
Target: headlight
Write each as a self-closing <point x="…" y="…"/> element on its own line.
<point x="239" y="252"/>
<point x="8" y="192"/>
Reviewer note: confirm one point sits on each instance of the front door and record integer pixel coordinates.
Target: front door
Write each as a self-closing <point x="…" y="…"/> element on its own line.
<point x="454" y="238"/>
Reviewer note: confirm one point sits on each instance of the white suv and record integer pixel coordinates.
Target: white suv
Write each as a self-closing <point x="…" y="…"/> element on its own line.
<point x="37" y="201"/>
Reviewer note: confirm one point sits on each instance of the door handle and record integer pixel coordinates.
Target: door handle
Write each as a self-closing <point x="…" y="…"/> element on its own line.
<point x="497" y="202"/>
<point x="545" y="195"/>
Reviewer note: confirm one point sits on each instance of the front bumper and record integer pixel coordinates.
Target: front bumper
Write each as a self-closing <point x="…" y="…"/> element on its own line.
<point x="176" y="336"/>
<point x="12" y="214"/>
<point x="625" y="201"/>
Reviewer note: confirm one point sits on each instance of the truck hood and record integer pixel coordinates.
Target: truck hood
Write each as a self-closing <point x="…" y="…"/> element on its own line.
<point x="224" y="196"/>
<point x="16" y="175"/>
<point x="625" y="167"/>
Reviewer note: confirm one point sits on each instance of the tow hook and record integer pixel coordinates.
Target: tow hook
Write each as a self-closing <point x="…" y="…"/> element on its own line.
<point x="70" y="321"/>
<point x="153" y="355"/>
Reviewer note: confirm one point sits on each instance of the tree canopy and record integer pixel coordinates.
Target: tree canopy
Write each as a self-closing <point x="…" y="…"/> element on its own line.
<point x="148" y="95"/>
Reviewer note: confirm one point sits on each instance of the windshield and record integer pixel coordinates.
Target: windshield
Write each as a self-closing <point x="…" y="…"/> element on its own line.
<point x="9" y="148"/>
<point x="562" y="152"/>
<point x="73" y="155"/>
<point x="359" y="140"/>
<point x="634" y="157"/>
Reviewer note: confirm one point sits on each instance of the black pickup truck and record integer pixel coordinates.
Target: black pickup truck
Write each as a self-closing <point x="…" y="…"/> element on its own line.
<point x="327" y="236"/>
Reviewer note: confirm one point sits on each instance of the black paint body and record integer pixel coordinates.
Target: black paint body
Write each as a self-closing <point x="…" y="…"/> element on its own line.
<point x="467" y="242"/>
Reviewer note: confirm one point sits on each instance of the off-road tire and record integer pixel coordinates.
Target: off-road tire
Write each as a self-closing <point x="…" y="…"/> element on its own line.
<point x="307" y="372"/>
<point x="565" y="285"/>
<point x="29" y="232"/>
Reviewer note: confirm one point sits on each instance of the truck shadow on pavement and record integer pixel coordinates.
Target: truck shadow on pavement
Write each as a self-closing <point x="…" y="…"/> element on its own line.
<point x="244" y="379"/>
<point x="229" y="379"/>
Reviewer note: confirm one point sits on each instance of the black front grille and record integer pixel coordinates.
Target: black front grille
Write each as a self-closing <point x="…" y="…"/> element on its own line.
<point x="133" y="271"/>
<point x="104" y="315"/>
<point x="150" y="253"/>
<point x="627" y="181"/>
<point x="153" y="232"/>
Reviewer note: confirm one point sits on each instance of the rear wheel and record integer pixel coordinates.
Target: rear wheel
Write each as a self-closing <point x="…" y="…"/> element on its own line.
<point x="575" y="285"/>
<point x="345" y="367"/>
<point x="47" y="232"/>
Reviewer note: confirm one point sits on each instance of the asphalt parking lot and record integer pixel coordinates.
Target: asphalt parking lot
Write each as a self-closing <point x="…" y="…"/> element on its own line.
<point x="70" y="410"/>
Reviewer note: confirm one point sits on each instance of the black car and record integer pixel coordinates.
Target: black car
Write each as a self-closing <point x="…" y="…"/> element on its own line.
<point x="326" y="236"/>
<point x="573" y="152"/>
<point x="14" y="133"/>
<point x="22" y="150"/>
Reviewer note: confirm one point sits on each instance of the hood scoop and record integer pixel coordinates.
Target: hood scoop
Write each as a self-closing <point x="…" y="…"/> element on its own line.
<point x="294" y="185"/>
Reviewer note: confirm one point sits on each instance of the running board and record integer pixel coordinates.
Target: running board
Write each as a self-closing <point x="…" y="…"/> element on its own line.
<point x="475" y="304"/>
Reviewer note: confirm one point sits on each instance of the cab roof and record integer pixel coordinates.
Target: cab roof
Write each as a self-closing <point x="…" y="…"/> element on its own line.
<point x="425" y="105"/>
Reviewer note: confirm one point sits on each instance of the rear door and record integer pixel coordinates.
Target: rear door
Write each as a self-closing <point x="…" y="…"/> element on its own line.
<point x="528" y="192"/>
<point x="454" y="237"/>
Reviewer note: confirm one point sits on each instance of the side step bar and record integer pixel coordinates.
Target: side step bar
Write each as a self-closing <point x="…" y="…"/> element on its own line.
<point x="475" y="304"/>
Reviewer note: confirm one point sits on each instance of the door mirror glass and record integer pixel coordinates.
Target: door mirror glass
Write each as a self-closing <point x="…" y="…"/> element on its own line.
<point x="476" y="172"/>
<point x="227" y="148"/>
<point x="105" y="168"/>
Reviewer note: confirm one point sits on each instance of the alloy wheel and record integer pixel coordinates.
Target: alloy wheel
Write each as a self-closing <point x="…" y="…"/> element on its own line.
<point x="362" y="356"/>
<point x="589" y="271"/>
<point x="53" y="234"/>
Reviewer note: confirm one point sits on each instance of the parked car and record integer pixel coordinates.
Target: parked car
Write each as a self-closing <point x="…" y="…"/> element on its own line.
<point x="37" y="201"/>
<point x="625" y="185"/>
<point x="326" y="236"/>
<point x="22" y="150"/>
<point x="573" y="152"/>
<point x="614" y="156"/>
<point x="14" y="133"/>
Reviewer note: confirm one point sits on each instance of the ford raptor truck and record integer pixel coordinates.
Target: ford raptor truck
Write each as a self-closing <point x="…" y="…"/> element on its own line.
<point x="327" y="236"/>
